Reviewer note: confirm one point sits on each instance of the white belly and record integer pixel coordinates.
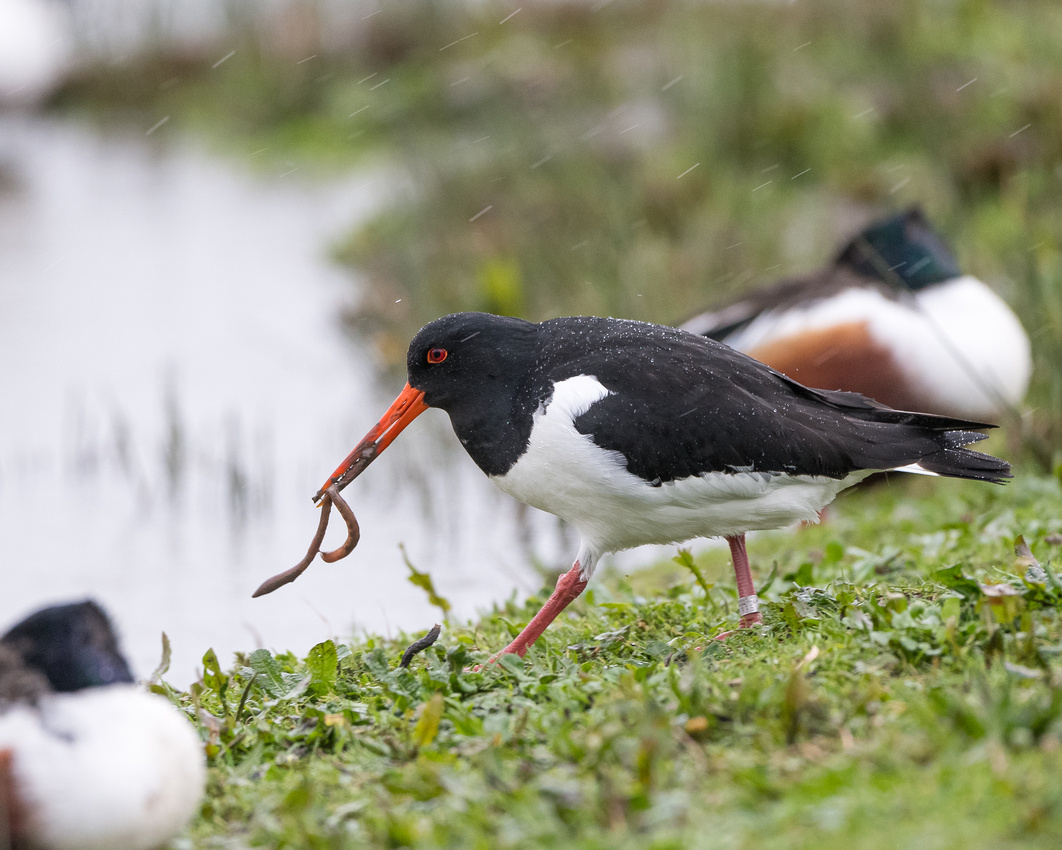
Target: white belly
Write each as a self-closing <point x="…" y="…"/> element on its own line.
<point x="564" y="473"/>
<point x="104" y="768"/>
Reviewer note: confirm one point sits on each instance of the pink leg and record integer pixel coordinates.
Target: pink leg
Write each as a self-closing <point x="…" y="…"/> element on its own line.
<point x="569" y="585"/>
<point x="748" y="602"/>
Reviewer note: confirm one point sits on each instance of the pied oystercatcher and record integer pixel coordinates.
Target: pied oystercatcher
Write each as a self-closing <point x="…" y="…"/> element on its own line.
<point x="87" y="759"/>
<point x="637" y="433"/>
<point x="893" y="318"/>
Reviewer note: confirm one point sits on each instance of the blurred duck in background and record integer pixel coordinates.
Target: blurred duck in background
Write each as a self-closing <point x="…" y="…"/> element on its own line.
<point x="894" y="318"/>
<point x="88" y="760"/>
<point x="36" y="50"/>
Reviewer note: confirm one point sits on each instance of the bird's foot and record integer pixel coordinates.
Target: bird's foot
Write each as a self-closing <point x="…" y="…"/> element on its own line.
<point x="479" y="668"/>
<point x="747" y="621"/>
<point x="569" y="586"/>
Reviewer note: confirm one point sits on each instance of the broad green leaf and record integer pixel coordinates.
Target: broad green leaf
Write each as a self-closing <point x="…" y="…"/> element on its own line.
<point x="428" y="723"/>
<point x="322" y="662"/>
<point x="270" y="677"/>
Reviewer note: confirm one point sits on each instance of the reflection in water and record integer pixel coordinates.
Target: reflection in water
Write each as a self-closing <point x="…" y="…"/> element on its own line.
<point x="175" y="387"/>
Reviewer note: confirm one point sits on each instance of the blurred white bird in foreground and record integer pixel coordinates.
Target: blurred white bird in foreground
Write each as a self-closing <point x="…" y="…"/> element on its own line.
<point x="88" y="760"/>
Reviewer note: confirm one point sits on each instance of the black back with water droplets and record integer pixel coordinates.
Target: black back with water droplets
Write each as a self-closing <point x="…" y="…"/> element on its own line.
<point x="679" y="404"/>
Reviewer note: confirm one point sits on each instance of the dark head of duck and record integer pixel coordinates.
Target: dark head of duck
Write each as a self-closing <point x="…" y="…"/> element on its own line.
<point x="902" y="251"/>
<point x="74" y="646"/>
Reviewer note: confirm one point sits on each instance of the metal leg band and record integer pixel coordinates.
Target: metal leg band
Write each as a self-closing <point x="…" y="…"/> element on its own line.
<point x="748" y="605"/>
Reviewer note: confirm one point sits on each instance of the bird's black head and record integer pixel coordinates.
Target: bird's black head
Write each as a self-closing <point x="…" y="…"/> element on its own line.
<point x="473" y="365"/>
<point x="74" y="646"/>
<point x="466" y="358"/>
<point x="468" y="364"/>
<point x="901" y="250"/>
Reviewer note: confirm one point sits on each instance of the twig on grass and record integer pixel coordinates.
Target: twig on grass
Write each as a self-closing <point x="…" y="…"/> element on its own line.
<point x="420" y="645"/>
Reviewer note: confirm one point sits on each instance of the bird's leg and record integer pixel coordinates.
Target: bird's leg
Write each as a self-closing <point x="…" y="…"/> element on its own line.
<point x="748" y="602"/>
<point x="569" y="586"/>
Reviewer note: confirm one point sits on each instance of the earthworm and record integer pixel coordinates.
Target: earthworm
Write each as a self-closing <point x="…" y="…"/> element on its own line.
<point x="353" y="529"/>
<point x="280" y="579"/>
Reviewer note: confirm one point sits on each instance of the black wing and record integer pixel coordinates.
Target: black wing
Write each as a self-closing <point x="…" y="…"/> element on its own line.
<point x="683" y="405"/>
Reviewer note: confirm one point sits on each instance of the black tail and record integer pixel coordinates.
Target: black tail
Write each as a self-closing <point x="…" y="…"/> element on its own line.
<point x="955" y="461"/>
<point x="893" y="439"/>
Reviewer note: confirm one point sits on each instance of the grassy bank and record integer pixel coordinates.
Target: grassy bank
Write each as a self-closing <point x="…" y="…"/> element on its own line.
<point x="644" y="160"/>
<point x="905" y="691"/>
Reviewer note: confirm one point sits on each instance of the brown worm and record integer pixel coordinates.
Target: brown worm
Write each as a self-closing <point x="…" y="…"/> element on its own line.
<point x="280" y="579"/>
<point x="353" y="529"/>
<point x="330" y="496"/>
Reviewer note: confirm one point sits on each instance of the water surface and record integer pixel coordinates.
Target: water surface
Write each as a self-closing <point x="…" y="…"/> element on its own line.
<point x="174" y="387"/>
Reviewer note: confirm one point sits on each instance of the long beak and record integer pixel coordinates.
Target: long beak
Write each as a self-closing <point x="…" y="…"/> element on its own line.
<point x="407" y="407"/>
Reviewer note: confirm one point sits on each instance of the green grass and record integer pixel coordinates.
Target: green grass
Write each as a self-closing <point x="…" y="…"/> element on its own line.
<point x="905" y="691"/>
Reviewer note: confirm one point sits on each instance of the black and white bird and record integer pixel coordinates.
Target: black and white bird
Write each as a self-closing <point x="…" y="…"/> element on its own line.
<point x="637" y="433"/>
<point x="892" y="317"/>
<point x="88" y="761"/>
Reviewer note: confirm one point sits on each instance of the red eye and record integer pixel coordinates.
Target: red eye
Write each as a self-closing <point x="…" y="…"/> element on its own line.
<point x="436" y="355"/>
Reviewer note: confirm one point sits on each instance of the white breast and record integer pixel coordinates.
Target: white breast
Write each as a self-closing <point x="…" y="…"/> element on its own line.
<point x="104" y="768"/>
<point x="564" y="473"/>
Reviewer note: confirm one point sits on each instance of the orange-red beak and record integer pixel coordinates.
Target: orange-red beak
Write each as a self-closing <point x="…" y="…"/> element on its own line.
<point x="407" y="407"/>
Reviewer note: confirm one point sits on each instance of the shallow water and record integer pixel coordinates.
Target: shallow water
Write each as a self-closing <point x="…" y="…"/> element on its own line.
<point x="175" y="386"/>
